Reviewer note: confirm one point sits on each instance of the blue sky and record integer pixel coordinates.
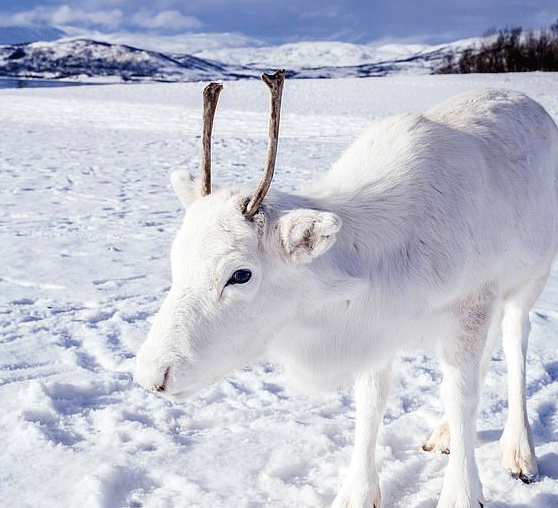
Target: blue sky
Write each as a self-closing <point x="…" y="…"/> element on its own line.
<point x="279" y="21"/>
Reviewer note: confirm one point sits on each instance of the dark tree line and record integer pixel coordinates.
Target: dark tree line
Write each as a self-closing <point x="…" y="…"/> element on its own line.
<point x="512" y="50"/>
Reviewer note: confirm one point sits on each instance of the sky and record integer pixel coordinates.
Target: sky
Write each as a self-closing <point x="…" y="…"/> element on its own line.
<point x="282" y="21"/>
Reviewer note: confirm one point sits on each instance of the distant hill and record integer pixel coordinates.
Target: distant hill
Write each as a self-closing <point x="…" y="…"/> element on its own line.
<point x="84" y="59"/>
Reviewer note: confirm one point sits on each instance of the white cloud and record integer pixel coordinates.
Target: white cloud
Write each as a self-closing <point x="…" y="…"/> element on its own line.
<point x="22" y="18"/>
<point x="63" y="15"/>
<point x="331" y="12"/>
<point x="170" y="20"/>
<point x="108" y="19"/>
<point x="66" y="15"/>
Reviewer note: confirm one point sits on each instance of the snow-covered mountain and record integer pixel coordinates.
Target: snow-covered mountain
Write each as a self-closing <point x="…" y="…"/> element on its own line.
<point x="85" y="58"/>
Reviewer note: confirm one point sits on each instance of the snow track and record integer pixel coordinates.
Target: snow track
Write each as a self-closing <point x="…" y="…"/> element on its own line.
<point x="86" y="221"/>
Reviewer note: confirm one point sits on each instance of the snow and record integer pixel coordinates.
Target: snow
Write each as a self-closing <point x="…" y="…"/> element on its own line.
<point x="118" y="57"/>
<point x="191" y="43"/>
<point x="237" y="49"/>
<point x="299" y="54"/>
<point x="86" y="60"/>
<point x="86" y="221"/>
<point x="324" y="53"/>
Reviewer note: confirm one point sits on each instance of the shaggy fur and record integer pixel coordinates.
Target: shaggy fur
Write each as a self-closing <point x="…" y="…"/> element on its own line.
<point x="433" y="228"/>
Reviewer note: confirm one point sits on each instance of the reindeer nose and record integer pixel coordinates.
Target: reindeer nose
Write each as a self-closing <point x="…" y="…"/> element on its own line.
<point x="151" y="375"/>
<point x="162" y="387"/>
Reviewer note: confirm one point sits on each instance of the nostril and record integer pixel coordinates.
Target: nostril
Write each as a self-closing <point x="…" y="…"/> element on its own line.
<point x="162" y="387"/>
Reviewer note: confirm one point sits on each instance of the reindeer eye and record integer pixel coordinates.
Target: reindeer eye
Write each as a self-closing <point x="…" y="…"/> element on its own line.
<point x="240" y="277"/>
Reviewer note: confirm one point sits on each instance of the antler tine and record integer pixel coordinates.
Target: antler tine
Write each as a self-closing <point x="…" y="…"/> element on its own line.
<point x="210" y="98"/>
<point x="275" y="84"/>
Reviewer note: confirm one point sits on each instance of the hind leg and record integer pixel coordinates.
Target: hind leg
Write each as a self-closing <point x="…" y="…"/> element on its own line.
<point x="461" y="359"/>
<point x="518" y="454"/>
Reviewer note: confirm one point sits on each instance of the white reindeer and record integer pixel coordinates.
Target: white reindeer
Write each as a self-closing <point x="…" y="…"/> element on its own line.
<point x="435" y="228"/>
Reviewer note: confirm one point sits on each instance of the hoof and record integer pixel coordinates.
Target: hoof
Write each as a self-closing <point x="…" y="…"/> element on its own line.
<point x="524" y="478"/>
<point x="439" y="440"/>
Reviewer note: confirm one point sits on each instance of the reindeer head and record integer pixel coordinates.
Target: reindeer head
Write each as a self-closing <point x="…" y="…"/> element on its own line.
<point x="236" y="267"/>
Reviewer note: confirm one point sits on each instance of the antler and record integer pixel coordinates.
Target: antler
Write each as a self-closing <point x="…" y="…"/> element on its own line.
<point x="210" y="98"/>
<point x="275" y="84"/>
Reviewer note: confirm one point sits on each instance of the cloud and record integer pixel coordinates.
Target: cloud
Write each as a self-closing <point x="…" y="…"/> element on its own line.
<point x="105" y="19"/>
<point x="22" y="18"/>
<point x="64" y="15"/>
<point x="361" y="21"/>
<point x="166" y="20"/>
<point x="332" y="12"/>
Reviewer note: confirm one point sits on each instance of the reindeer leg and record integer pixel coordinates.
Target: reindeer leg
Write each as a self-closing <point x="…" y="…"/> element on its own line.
<point x="518" y="453"/>
<point x="440" y="439"/>
<point x="461" y="360"/>
<point x="361" y="488"/>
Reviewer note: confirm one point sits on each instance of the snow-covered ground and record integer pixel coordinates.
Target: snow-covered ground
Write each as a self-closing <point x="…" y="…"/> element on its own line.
<point x="86" y="221"/>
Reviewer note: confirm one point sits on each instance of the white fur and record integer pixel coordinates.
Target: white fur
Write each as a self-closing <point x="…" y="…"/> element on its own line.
<point x="435" y="227"/>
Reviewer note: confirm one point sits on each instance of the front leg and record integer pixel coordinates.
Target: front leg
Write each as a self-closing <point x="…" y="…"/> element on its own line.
<point x="361" y="488"/>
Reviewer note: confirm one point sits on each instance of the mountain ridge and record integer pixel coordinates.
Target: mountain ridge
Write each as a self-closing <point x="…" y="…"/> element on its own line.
<point x="83" y="59"/>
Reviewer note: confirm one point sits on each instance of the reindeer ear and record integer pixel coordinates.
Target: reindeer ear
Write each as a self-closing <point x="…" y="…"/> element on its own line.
<point x="185" y="187"/>
<point x="306" y="234"/>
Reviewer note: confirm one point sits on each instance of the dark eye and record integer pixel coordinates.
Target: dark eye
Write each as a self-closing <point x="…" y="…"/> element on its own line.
<point x="240" y="277"/>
